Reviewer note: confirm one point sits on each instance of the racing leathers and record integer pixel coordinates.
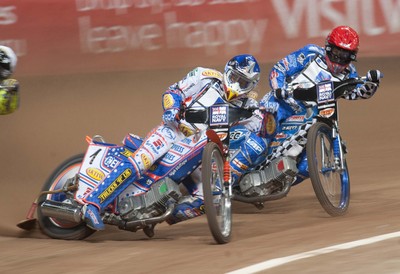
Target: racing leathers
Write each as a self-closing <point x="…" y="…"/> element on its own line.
<point x="305" y="68"/>
<point x="202" y="87"/>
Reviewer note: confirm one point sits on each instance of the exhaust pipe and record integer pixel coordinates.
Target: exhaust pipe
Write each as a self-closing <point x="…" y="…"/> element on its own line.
<point x="61" y="211"/>
<point x="263" y="198"/>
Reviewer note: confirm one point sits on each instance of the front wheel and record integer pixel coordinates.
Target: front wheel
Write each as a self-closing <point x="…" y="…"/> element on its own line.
<point x="331" y="183"/>
<point x="58" y="228"/>
<point x="217" y="200"/>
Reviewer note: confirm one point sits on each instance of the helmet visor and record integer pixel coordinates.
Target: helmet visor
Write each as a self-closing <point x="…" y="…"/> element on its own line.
<point x="339" y="55"/>
<point x="234" y="77"/>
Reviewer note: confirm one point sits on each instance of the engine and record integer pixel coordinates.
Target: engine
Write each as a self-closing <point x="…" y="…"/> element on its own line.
<point x="151" y="204"/>
<point x="270" y="179"/>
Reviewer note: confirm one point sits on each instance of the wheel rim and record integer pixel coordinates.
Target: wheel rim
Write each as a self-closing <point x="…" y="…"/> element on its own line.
<point x="333" y="180"/>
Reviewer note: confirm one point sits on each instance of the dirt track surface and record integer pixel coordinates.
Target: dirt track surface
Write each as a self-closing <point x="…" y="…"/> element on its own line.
<point x="58" y="112"/>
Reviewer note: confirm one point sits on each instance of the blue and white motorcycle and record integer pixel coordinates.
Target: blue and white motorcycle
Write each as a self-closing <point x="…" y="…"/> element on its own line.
<point x="146" y="202"/>
<point x="307" y="145"/>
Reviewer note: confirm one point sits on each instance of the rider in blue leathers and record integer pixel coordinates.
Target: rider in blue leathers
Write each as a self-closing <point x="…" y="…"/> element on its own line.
<point x="309" y="66"/>
<point x="201" y="86"/>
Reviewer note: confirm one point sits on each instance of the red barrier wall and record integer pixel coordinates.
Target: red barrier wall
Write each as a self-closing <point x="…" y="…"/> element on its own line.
<point x="60" y="36"/>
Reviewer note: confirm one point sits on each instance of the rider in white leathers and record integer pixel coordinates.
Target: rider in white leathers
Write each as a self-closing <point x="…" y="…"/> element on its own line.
<point x="202" y="86"/>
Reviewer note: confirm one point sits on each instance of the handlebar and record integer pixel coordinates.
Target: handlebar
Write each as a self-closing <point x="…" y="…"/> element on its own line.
<point x="310" y="94"/>
<point x="202" y="115"/>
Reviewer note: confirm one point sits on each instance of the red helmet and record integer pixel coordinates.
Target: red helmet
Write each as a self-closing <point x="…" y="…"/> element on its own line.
<point x="341" y="48"/>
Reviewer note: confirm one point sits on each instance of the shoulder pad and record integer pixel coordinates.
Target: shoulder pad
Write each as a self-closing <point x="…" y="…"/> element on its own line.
<point x="314" y="49"/>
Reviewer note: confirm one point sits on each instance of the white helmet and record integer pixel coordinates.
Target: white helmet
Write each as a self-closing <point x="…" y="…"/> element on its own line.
<point x="241" y="75"/>
<point x="8" y="62"/>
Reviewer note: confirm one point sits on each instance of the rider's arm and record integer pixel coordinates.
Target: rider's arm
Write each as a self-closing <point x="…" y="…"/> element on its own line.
<point x="366" y="90"/>
<point x="174" y="97"/>
<point x="292" y="64"/>
<point x="254" y="122"/>
<point x="195" y="82"/>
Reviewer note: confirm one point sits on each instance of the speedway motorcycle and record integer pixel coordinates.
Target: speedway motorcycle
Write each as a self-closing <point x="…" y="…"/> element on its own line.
<point x="321" y="158"/>
<point x="146" y="202"/>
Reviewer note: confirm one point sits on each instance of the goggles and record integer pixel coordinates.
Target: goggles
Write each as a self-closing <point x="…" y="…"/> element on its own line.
<point x="339" y="55"/>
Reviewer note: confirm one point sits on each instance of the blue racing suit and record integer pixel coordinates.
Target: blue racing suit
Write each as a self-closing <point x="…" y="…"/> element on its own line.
<point x="306" y="67"/>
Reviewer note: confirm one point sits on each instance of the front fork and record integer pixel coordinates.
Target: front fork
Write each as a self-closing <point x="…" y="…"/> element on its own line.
<point x="227" y="175"/>
<point x="338" y="150"/>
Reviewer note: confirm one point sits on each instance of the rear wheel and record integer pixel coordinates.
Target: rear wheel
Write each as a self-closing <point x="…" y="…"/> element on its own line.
<point x="54" y="227"/>
<point x="331" y="183"/>
<point x="217" y="200"/>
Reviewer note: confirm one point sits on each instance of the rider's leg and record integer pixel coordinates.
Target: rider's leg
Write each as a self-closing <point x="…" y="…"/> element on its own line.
<point x="131" y="167"/>
<point x="102" y="195"/>
<point x="250" y="151"/>
<point x="191" y="205"/>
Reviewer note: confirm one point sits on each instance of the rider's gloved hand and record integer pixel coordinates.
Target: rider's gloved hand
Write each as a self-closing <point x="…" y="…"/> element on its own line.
<point x="374" y="76"/>
<point x="172" y="103"/>
<point x="171" y="116"/>
<point x="281" y="94"/>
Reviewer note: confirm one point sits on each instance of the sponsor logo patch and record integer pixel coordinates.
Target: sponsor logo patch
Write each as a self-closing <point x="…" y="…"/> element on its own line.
<point x="146" y="161"/>
<point x="270" y="124"/>
<point x="325" y="92"/>
<point x="127" y="153"/>
<point x="328" y="112"/>
<point x="168" y="101"/>
<point x="240" y="164"/>
<point x="280" y="136"/>
<point x="254" y="146"/>
<point x="114" y="185"/>
<point x="110" y="162"/>
<point x="219" y="115"/>
<point x="236" y="135"/>
<point x="185" y="129"/>
<point x="95" y="173"/>
<point x="212" y="73"/>
<point x="274" y="144"/>
<point x="296" y="118"/>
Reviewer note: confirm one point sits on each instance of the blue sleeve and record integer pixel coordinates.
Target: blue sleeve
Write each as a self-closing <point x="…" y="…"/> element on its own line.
<point x="292" y="64"/>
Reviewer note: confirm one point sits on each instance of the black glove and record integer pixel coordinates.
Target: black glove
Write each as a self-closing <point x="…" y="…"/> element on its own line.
<point x="374" y="76"/>
<point x="281" y="94"/>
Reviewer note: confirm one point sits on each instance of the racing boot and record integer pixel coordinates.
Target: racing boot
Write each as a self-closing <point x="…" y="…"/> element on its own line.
<point x="187" y="208"/>
<point x="92" y="217"/>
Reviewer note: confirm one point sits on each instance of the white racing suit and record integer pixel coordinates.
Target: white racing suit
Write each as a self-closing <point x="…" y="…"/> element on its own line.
<point x="202" y="87"/>
<point x="305" y="67"/>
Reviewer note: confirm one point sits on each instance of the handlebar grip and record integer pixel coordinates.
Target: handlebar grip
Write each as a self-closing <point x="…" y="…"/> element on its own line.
<point x="303" y="94"/>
